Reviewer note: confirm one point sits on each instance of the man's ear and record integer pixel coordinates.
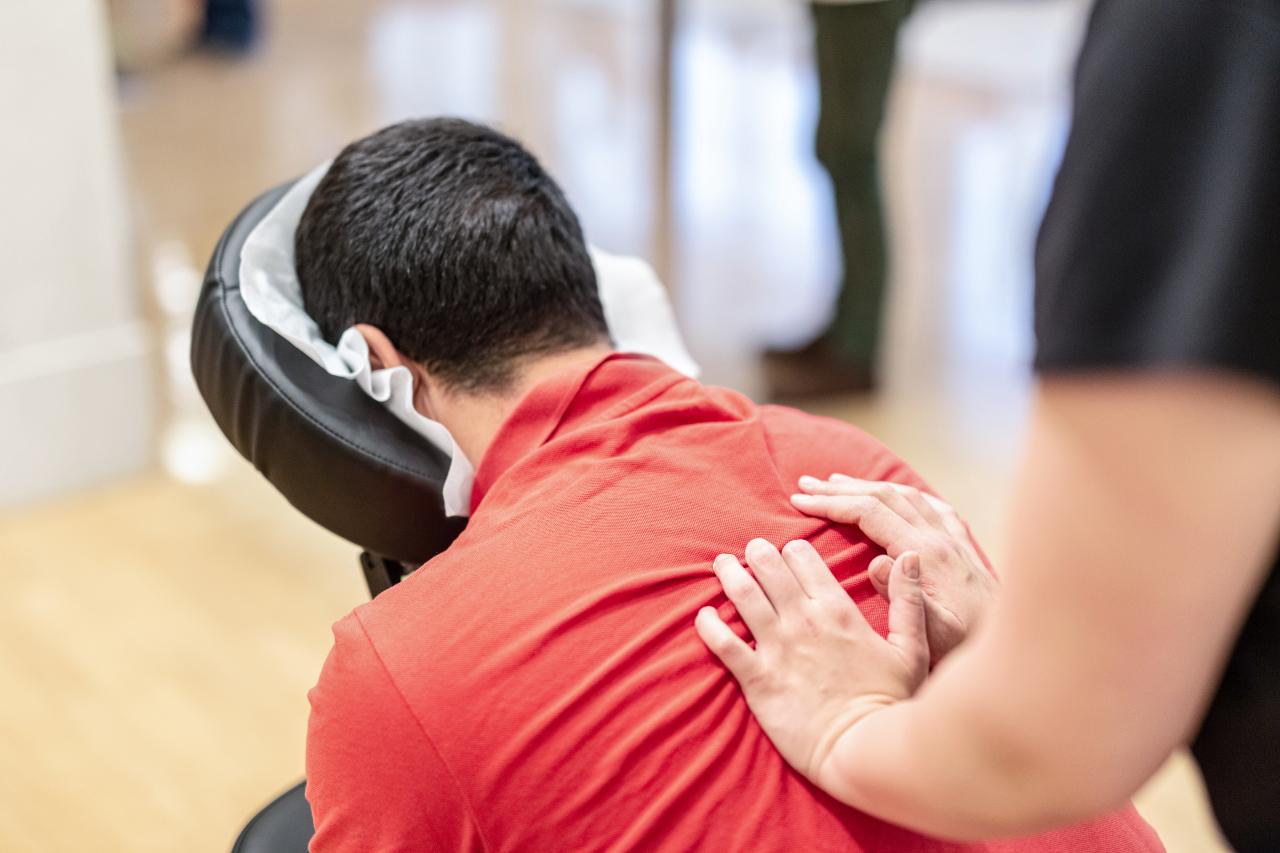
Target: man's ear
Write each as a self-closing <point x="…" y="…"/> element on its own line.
<point x="383" y="354"/>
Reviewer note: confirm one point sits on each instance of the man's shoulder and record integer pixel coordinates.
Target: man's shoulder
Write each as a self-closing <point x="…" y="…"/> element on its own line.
<point x="353" y="655"/>
<point x="395" y="648"/>
<point x="438" y="609"/>
<point x="804" y="443"/>
<point x="791" y="421"/>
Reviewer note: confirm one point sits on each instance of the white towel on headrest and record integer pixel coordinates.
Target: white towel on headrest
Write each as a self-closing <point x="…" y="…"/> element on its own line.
<point x="635" y="306"/>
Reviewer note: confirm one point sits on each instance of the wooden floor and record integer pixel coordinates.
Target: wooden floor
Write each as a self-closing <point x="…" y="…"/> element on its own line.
<point x="158" y="637"/>
<point x="159" y="641"/>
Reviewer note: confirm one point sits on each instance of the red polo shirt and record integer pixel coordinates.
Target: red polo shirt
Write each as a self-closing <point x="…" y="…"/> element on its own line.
<point x="539" y="685"/>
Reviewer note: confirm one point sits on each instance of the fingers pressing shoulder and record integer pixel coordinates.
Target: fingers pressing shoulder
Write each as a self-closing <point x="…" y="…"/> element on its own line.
<point x="731" y="649"/>
<point x="907" y="621"/>
<point x="811" y="570"/>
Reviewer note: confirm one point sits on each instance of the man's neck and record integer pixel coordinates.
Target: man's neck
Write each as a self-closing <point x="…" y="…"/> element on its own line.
<point x="474" y="419"/>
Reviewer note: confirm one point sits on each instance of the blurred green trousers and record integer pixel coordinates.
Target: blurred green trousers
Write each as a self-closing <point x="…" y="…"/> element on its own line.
<point x="855" y="45"/>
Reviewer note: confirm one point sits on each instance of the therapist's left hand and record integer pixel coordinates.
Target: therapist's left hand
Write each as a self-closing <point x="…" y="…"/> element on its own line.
<point x="959" y="587"/>
<point x="817" y="668"/>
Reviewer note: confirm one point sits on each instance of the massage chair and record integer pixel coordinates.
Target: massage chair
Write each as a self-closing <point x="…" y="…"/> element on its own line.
<point x="335" y="453"/>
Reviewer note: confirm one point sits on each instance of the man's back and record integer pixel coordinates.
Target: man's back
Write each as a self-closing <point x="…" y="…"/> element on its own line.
<point x="539" y="685"/>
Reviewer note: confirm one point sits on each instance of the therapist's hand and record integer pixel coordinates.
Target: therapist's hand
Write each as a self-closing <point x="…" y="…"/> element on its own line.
<point x="817" y="668"/>
<point x="958" y="587"/>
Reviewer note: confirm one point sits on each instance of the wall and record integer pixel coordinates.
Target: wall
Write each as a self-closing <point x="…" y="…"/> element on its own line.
<point x="75" y="371"/>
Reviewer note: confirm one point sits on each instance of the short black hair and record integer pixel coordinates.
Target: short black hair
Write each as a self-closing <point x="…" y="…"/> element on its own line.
<point x="453" y="240"/>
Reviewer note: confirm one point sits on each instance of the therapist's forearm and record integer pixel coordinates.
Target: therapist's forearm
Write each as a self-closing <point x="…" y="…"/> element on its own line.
<point x="951" y="764"/>
<point x="1142" y="525"/>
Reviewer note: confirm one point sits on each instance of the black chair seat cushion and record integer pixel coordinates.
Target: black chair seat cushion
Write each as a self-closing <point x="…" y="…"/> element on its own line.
<point x="284" y="826"/>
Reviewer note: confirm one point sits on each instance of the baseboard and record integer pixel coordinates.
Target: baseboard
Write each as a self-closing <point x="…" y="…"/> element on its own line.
<point x="75" y="412"/>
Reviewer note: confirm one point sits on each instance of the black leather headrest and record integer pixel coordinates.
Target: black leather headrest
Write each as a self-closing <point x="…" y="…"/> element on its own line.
<point x="332" y="451"/>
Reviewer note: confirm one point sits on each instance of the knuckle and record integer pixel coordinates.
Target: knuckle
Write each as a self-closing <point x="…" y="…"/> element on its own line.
<point x="856" y="509"/>
<point x="814" y="623"/>
<point x="720" y="644"/>
<point x="843" y="509"/>
<point x="912" y="598"/>
<point x="935" y="549"/>
<point x="839" y="612"/>
<point x="940" y="506"/>
<point x="757" y="679"/>
<point x="811" y="621"/>
<point x="863" y="503"/>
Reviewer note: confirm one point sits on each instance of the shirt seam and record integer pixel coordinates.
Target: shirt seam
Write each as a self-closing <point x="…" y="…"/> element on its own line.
<point x="638" y="398"/>
<point x="453" y="777"/>
<point x="770" y="447"/>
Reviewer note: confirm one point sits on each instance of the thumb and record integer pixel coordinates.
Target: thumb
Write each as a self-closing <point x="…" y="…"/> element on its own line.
<point x="906" y="614"/>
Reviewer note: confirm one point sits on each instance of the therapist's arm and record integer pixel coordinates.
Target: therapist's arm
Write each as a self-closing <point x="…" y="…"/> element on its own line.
<point x="1143" y="521"/>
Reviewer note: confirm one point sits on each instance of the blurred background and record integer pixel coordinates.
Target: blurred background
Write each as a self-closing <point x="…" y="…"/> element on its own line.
<point x="162" y="610"/>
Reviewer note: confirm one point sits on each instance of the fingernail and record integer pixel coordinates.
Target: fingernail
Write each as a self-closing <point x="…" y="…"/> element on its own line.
<point x="802" y="499"/>
<point x="911" y="566"/>
<point x="807" y="482"/>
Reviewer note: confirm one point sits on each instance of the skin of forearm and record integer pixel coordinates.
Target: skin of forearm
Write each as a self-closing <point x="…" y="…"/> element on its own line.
<point x="951" y="767"/>
<point x="1095" y="663"/>
<point x="948" y="766"/>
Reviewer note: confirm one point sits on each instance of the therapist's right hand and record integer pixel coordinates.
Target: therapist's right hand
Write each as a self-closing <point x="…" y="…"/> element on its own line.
<point x="818" y="670"/>
<point x="957" y="584"/>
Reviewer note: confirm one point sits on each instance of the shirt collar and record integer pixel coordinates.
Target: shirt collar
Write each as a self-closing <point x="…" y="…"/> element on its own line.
<point x="611" y="385"/>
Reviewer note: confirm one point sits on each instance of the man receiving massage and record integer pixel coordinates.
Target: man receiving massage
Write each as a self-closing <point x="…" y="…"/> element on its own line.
<point x="536" y="687"/>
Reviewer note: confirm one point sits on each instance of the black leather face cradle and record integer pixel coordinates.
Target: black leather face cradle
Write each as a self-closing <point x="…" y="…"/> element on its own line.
<point x="336" y="454"/>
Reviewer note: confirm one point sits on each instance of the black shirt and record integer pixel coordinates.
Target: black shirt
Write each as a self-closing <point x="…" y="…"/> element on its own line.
<point x="1161" y="250"/>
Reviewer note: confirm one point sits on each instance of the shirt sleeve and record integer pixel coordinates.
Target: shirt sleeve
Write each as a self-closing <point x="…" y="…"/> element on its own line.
<point x="1161" y="246"/>
<point x="374" y="778"/>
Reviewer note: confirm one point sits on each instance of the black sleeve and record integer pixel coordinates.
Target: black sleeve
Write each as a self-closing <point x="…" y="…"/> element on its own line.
<point x="1161" y="246"/>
